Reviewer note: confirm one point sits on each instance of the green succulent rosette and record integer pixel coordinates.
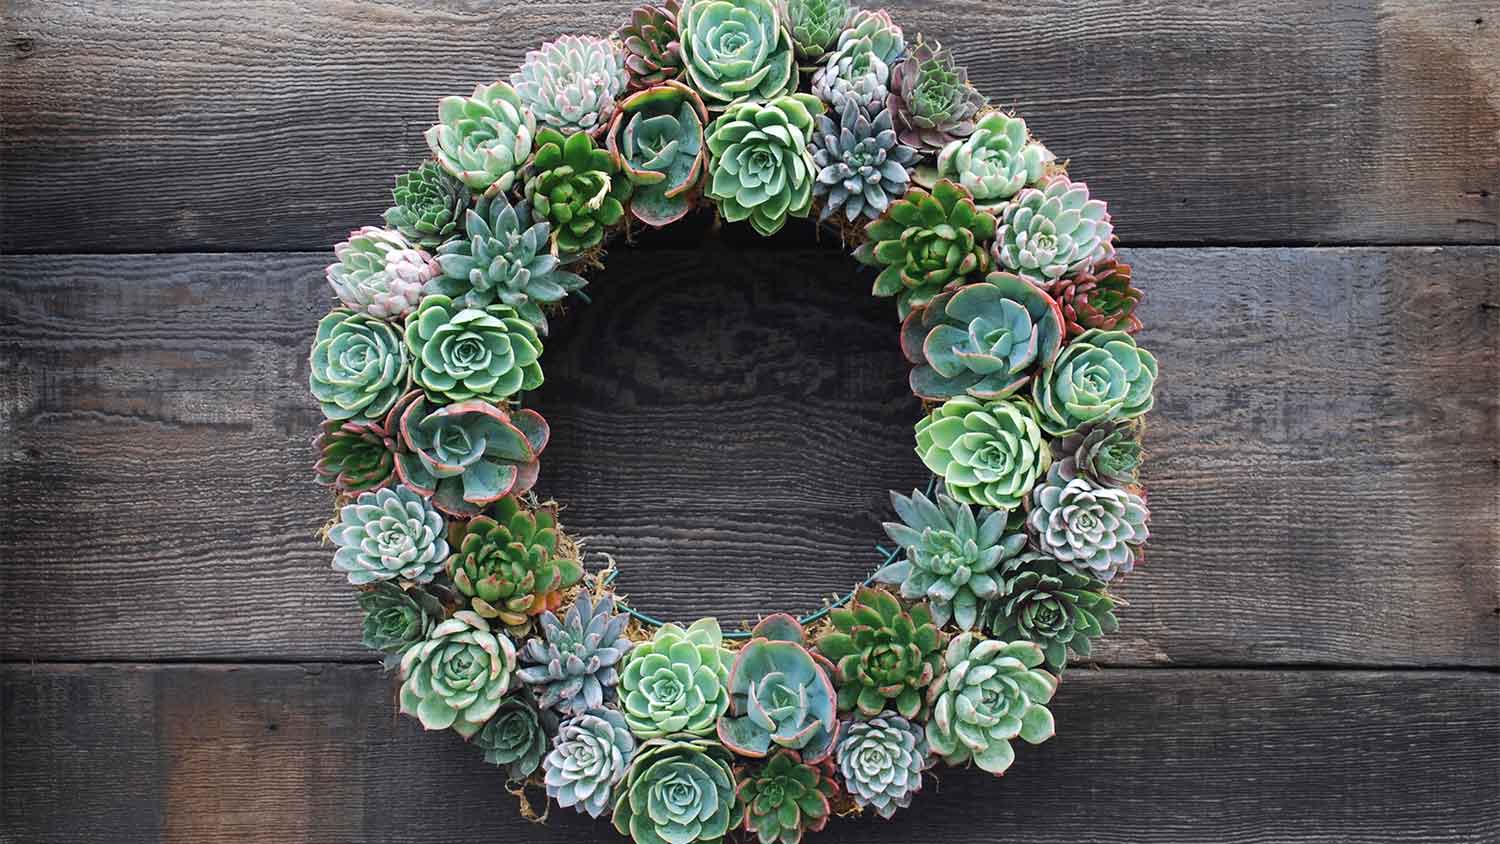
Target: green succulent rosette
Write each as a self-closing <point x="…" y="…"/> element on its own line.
<point x="1100" y="376"/>
<point x="570" y="84"/>
<point x="389" y="534"/>
<point x="1045" y="602"/>
<point x="379" y="273"/>
<point x="507" y="565"/>
<point x="589" y="757"/>
<point x="574" y="663"/>
<point x="926" y="243"/>
<point x="1092" y="530"/>
<point x="882" y="655"/>
<point x="931" y="99"/>
<point x="657" y="139"/>
<point x="677" y="683"/>
<point x="780" y="695"/>
<point x="815" y="25"/>
<point x="469" y="454"/>
<point x="677" y="791"/>
<point x="736" y="50"/>
<point x="995" y="162"/>
<point x="358" y="367"/>
<point x="355" y="457"/>
<point x="578" y="189"/>
<point x="987" y="453"/>
<point x="517" y="736"/>
<point x="786" y="798"/>
<point x="760" y="168"/>
<point x="458" y="676"/>
<point x="396" y="618"/>
<point x="430" y="205"/>
<point x="483" y="140"/>
<point x="992" y="693"/>
<point x="1103" y="453"/>
<point x="653" y="53"/>
<point x="881" y="760"/>
<point x="461" y="353"/>
<point x="1054" y="231"/>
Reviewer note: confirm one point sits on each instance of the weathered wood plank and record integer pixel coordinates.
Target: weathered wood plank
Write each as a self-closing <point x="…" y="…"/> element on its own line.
<point x="1323" y="474"/>
<point x="318" y="754"/>
<point x="155" y="126"/>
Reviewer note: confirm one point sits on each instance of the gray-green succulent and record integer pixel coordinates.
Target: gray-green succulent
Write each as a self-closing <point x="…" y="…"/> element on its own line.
<point x="1045" y="602"/>
<point x="1100" y="376"/>
<point x="389" y="534"/>
<point x="1104" y="453"/>
<point x="859" y="68"/>
<point x="780" y="695"/>
<point x="861" y="166"/>
<point x="516" y="736"/>
<point x="677" y="682"/>
<point x="358" y="367"/>
<point x="460" y="353"/>
<point x="678" y="791"/>
<point x="995" y="162"/>
<point x="590" y="755"/>
<point x="397" y="618"/>
<point x="882" y="760"/>
<point x="992" y="693"/>
<point x="1054" y="231"/>
<point x="1089" y="529"/>
<point x="932" y="101"/>
<point x="736" y="50"/>
<point x="483" y="140"/>
<point x="815" y="25"/>
<point x="468" y="454"/>
<point x="458" y="676"/>
<point x="430" y="205"/>
<point x="657" y="139"/>
<point x="574" y="663"/>
<point x="760" y="167"/>
<point x="571" y="84"/>
<point x="989" y="453"/>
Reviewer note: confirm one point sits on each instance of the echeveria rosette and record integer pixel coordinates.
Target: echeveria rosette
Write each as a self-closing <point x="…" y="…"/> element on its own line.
<point x="785" y="798"/>
<point x="1053" y="231"/>
<point x="517" y="736"/>
<point x="483" y="140"/>
<point x="574" y="663"/>
<point x="430" y="205"/>
<point x="358" y="367"/>
<point x="589" y="757"/>
<point x="995" y="162"/>
<point x="760" y="168"/>
<point x="677" y="791"/>
<point x="570" y="84"/>
<point x="460" y="353"/>
<point x="389" y="534"/>
<point x="861" y="166"/>
<point x="458" y="676"/>
<point x="952" y="556"/>
<point x="815" y="25"/>
<point x="379" y="273"/>
<point x="578" y="189"/>
<point x="504" y="256"/>
<point x="355" y="457"/>
<point x="883" y="656"/>
<point x="983" y="340"/>
<point x="1093" y="530"/>
<point x="1042" y="601"/>
<point x="506" y="562"/>
<point x="881" y="760"/>
<point x="926" y="243"/>
<point x="859" y="68"/>
<point x="677" y="683"/>
<point x="736" y="50"/>
<point x="396" y="618"/>
<point x="780" y="695"/>
<point x="992" y="692"/>
<point x="468" y="454"/>
<point x="1100" y="297"/>
<point x="657" y="139"/>
<point x="931" y="98"/>
<point x="653" y="49"/>
<point x="987" y="453"/>
<point x="1101" y="375"/>
<point x="1104" y="453"/>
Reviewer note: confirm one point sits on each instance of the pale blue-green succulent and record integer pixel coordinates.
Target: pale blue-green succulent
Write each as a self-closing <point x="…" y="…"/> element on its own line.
<point x="678" y="791"/>
<point x="677" y="682"/>
<point x="991" y="693"/>
<point x="389" y="534"/>
<point x="589" y="757"/>
<point x="859" y="68"/>
<point x="657" y="139"/>
<point x="469" y="454"/>
<point x="458" y="676"/>
<point x="989" y="453"/>
<point x="862" y="168"/>
<point x="574" y="664"/>
<point x="483" y="140"/>
<point x="571" y="84"/>
<point x="780" y="695"/>
<point x="460" y="353"/>
<point x="760" y="167"/>
<point x="1100" y="376"/>
<point x="995" y="162"/>
<point x="1054" y="231"/>
<point x="358" y="367"/>
<point x="736" y="50"/>
<point x="882" y="760"/>
<point x="1089" y="529"/>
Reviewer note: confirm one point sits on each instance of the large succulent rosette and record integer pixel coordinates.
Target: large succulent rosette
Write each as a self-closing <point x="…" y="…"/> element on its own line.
<point x="780" y="695"/>
<point x="760" y="167"/>
<point x="736" y="50"/>
<point x="458" y="676"/>
<point x="678" y="791"/>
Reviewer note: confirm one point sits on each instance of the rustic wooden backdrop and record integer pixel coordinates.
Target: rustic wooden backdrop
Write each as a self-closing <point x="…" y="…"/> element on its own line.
<point x="1307" y="190"/>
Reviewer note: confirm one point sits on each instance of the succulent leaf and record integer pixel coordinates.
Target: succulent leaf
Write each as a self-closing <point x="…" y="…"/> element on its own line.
<point x="786" y="798"/>
<point x="1100" y="376"/>
<point x="931" y="98"/>
<point x="1101" y="297"/>
<point x="653" y="50"/>
<point x="517" y="736"/>
<point x="430" y="205"/>
<point x="1043" y="601"/>
<point x="506" y="563"/>
<point x="358" y="367"/>
<point x="461" y="353"/>
<point x="1054" y="231"/>
<point x="883" y="656"/>
<point x="578" y="189"/>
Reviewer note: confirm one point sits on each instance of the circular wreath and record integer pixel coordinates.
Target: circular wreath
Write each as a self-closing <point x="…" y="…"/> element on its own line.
<point x="1016" y="318"/>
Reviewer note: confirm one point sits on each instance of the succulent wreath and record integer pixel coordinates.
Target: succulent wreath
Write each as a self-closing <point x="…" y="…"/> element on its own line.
<point x="1015" y="315"/>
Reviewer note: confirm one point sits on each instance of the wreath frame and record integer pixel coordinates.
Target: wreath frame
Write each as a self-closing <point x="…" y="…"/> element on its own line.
<point x="1018" y="321"/>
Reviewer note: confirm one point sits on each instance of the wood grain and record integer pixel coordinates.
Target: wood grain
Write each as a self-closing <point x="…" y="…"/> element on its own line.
<point x="726" y="423"/>
<point x="318" y="755"/>
<point x="156" y="126"/>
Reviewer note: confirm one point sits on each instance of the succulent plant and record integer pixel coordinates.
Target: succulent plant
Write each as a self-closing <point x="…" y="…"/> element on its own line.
<point x="677" y="682"/>
<point x="578" y="189"/>
<point x="1101" y="375"/>
<point x="785" y="798"/>
<point x="677" y="791"/>
<point x="358" y="367"/>
<point x="988" y="453"/>
<point x="430" y="205"/>
<point x="570" y="84"/>
<point x="469" y="454"/>
<point x="882" y="655"/>
<point x="355" y="457"/>
<point x="397" y="618"/>
<point x="882" y="760"/>
<point x="1044" y="602"/>
<point x="516" y="736"/>
<point x="1088" y="529"/>
<point x="861" y="167"/>
<point x="927" y="242"/>
<point x="657" y="139"/>
<point x="458" y="676"/>
<point x="387" y="534"/>
<point x="859" y="68"/>
<point x="994" y="163"/>
<point x="575" y="662"/>
<point x="504" y="257"/>
<point x="589" y="757"/>
<point x="653" y="51"/>
<point x="953" y="558"/>
<point x="760" y="168"/>
<point x="461" y="353"/>
<point x="931" y="99"/>
<point x="379" y="273"/>
<point x="780" y="695"/>
<point x="736" y="50"/>
<point x="1054" y="231"/>
<point x="991" y="693"/>
<point x="1101" y="297"/>
<point x="483" y="140"/>
<point x="815" y="25"/>
<point x="507" y="564"/>
<point x="1103" y="453"/>
<point x="983" y="340"/>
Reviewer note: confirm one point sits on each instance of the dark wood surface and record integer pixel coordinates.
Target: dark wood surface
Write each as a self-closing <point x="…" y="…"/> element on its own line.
<point x="1311" y="652"/>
